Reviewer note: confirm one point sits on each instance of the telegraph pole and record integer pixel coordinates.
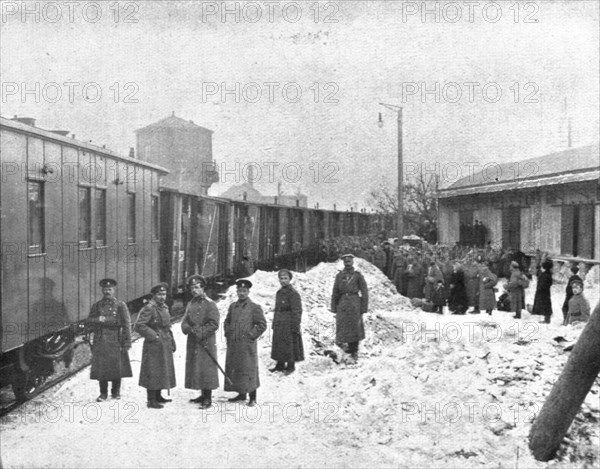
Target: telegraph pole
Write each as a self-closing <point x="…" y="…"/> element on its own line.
<point x="400" y="219"/>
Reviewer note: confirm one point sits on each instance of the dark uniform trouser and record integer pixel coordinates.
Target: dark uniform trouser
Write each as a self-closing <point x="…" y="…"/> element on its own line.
<point x="116" y="387"/>
<point x="353" y="347"/>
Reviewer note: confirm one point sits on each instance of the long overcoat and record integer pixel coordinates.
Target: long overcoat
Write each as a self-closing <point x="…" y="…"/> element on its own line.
<point x="457" y="299"/>
<point x="414" y="274"/>
<point x="287" y="343"/>
<point x="569" y="292"/>
<point x="200" y="323"/>
<point x="157" y="370"/>
<point x="542" y="304"/>
<point x="579" y="309"/>
<point x="111" y="341"/>
<point x="434" y="274"/>
<point x="516" y="290"/>
<point x="487" y="282"/>
<point x="349" y="301"/>
<point x="472" y="285"/>
<point x="244" y="324"/>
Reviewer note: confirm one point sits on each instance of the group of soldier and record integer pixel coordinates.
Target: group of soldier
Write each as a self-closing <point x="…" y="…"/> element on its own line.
<point x="109" y="322"/>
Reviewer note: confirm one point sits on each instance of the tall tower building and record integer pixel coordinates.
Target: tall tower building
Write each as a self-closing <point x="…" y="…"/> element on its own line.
<point x="184" y="148"/>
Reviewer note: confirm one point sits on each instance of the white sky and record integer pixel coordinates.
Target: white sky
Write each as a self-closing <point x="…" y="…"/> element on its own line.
<point x="172" y="52"/>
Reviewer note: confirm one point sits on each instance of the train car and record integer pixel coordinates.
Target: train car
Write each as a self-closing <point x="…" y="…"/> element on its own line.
<point x="71" y="214"/>
<point x="224" y="239"/>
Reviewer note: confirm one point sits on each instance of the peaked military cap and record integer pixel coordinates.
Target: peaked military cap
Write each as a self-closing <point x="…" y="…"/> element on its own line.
<point x="348" y="255"/>
<point x="285" y="271"/>
<point x="159" y="288"/>
<point x="243" y="283"/>
<point x="107" y="282"/>
<point x="196" y="280"/>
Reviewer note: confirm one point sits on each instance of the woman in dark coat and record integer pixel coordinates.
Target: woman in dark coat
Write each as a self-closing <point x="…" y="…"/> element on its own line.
<point x="287" y="347"/>
<point x="157" y="370"/>
<point x="200" y="323"/>
<point x="244" y="324"/>
<point x="542" y="304"/>
<point x="110" y="323"/>
<point x="457" y="299"/>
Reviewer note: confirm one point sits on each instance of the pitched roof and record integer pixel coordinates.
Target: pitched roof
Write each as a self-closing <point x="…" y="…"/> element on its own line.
<point x="572" y="165"/>
<point x="173" y="122"/>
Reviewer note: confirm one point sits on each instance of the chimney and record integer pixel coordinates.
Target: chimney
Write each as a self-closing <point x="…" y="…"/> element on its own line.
<point x="131" y="152"/>
<point x="25" y="120"/>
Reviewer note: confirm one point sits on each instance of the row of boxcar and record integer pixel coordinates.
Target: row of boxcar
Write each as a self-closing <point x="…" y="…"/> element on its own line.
<point x="72" y="213"/>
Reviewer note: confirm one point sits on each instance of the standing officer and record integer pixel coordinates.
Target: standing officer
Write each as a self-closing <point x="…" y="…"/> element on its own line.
<point x="157" y="371"/>
<point x="244" y="324"/>
<point x="349" y="301"/>
<point x="200" y="323"/>
<point x="287" y="347"/>
<point x="110" y="324"/>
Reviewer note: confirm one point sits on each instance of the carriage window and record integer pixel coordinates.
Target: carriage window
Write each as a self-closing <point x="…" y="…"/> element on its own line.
<point x="131" y="218"/>
<point x="100" y="217"/>
<point x="155" y="215"/>
<point x="36" y="217"/>
<point x="85" y="217"/>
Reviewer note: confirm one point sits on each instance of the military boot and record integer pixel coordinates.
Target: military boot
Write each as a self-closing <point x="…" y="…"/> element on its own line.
<point x="152" y="403"/>
<point x="161" y="399"/>
<point x="206" y="399"/>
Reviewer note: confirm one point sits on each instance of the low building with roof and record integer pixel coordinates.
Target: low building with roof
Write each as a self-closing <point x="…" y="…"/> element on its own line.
<point x="550" y="203"/>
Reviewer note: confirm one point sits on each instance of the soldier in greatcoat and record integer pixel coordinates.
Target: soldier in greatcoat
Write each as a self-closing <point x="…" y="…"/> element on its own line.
<point x="579" y="306"/>
<point x="110" y="324"/>
<point x="157" y="371"/>
<point x="472" y="286"/>
<point x="200" y="323"/>
<point x="287" y="347"/>
<point x="414" y="275"/>
<point x="349" y="301"/>
<point x="516" y="289"/>
<point x="244" y="324"/>
<point x="487" y="295"/>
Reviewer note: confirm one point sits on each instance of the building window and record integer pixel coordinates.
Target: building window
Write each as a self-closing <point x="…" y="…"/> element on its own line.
<point x="85" y="217"/>
<point x="100" y="217"/>
<point x="36" y="217"/>
<point x="155" y="215"/>
<point x="131" y="218"/>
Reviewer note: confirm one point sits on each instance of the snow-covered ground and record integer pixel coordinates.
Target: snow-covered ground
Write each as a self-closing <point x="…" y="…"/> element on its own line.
<point x="428" y="391"/>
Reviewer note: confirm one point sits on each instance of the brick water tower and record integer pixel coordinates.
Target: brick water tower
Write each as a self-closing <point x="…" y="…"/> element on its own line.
<point x="184" y="148"/>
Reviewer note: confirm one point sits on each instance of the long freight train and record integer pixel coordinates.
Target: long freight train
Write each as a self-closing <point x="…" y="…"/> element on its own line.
<point x="72" y="213"/>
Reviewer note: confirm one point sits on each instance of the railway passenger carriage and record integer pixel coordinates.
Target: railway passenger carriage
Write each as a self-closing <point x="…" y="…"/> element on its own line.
<point x="71" y="214"/>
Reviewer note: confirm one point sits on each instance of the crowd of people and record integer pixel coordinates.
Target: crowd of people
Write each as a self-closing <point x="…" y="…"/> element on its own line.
<point x="464" y="278"/>
<point x="433" y="277"/>
<point x="110" y="325"/>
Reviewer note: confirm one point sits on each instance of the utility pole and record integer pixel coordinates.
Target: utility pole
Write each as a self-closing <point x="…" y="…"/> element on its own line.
<point x="400" y="220"/>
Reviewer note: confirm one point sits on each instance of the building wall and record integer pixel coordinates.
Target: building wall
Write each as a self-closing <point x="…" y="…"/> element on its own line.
<point x="540" y="215"/>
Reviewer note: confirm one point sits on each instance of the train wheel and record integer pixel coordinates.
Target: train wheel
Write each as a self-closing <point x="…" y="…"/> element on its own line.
<point x="53" y="346"/>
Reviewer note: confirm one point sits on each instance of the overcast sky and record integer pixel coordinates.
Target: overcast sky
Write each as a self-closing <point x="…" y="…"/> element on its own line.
<point x="178" y="56"/>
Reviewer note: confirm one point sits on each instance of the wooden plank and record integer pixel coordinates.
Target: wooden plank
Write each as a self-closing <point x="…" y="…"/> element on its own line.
<point x="112" y="221"/>
<point x="585" y="231"/>
<point x="122" y="248"/>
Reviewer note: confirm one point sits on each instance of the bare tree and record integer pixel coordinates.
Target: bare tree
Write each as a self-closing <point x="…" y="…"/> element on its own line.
<point x="420" y="202"/>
